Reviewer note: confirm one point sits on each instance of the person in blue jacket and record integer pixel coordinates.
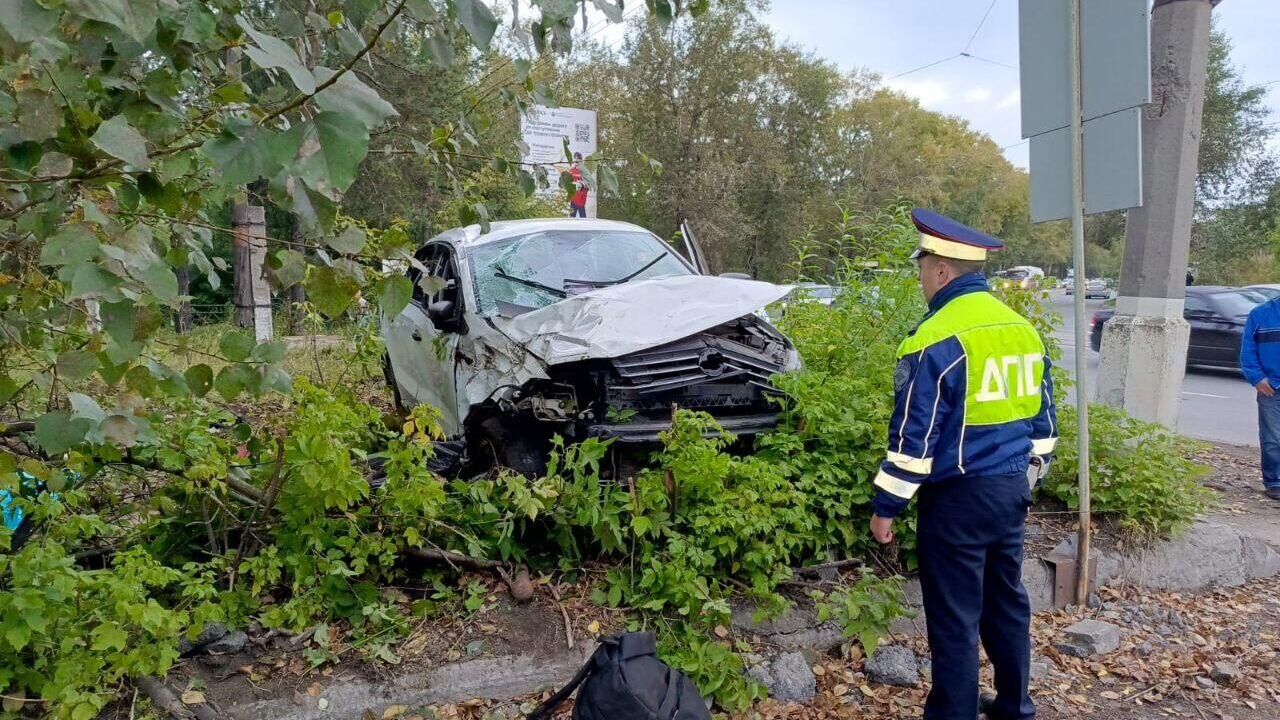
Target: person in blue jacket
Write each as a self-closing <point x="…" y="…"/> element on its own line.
<point x="972" y="432"/>
<point x="1260" y="363"/>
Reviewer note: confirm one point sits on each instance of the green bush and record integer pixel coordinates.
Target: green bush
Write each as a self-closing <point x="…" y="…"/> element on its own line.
<point x="1140" y="472"/>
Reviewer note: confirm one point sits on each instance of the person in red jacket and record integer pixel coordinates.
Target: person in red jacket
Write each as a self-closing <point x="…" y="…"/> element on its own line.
<point x="578" y="203"/>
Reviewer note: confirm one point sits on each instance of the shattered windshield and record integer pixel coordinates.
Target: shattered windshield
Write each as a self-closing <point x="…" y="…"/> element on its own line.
<point x="541" y="268"/>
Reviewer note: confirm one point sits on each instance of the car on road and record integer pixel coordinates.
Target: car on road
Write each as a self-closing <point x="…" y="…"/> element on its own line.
<point x="1097" y="288"/>
<point x="581" y="328"/>
<point x="1023" y="276"/>
<point x="1266" y="292"/>
<point x="1216" y="315"/>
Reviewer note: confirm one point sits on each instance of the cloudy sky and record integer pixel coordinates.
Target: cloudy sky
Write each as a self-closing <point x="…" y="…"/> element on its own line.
<point x="893" y="37"/>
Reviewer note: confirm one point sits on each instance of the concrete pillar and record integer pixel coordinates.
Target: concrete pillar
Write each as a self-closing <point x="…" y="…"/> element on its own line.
<point x="252" y="291"/>
<point x="1144" y="347"/>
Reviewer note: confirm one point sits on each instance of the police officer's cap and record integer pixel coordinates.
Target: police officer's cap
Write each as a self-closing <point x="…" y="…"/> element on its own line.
<point x="944" y="237"/>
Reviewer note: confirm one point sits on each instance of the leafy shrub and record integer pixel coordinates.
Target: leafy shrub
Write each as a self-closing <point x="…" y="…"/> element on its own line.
<point x="864" y="610"/>
<point x="69" y="634"/>
<point x="1138" y="471"/>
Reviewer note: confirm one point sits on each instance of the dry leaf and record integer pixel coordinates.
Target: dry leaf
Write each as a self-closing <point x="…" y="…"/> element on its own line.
<point x="594" y="627"/>
<point x="819" y="670"/>
<point x="314" y="689"/>
<point x="394" y="711"/>
<point x="192" y="697"/>
<point x="722" y="632"/>
<point x="1110" y="694"/>
<point x="840" y="690"/>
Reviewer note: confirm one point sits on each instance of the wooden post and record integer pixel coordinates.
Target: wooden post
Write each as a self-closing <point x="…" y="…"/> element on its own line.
<point x="182" y="320"/>
<point x="252" y="292"/>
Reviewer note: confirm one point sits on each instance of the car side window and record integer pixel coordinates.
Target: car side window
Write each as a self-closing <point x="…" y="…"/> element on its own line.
<point x="438" y="280"/>
<point x="1196" y="307"/>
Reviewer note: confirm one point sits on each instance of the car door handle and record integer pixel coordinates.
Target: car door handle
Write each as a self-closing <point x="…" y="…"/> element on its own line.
<point x="416" y="336"/>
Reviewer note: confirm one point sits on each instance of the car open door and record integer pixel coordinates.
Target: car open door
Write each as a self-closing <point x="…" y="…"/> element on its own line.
<point x="422" y="353"/>
<point x="692" y="251"/>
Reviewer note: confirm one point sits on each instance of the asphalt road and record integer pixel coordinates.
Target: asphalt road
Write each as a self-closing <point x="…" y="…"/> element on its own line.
<point x="1216" y="405"/>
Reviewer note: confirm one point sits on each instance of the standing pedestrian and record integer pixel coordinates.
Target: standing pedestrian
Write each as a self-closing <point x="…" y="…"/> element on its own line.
<point x="1260" y="363"/>
<point x="578" y="203"/>
<point x="973" y="430"/>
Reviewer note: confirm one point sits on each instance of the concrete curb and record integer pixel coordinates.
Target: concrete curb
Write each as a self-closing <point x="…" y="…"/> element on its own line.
<point x="494" y="678"/>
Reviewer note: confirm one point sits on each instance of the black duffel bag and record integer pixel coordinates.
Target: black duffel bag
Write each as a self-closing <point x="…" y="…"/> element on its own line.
<point x="625" y="680"/>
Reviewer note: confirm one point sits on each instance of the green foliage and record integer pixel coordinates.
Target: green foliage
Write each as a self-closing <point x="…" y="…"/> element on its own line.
<point x="68" y="634"/>
<point x="714" y="665"/>
<point x="864" y="610"/>
<point x="1139" y="472"/>
<point x="703" y="515"/>
<point x="837" y="414"/>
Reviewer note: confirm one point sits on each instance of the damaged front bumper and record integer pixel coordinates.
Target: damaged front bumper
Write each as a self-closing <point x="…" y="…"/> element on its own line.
<point x="725" y="371"/>
<point x="648" y="431"/>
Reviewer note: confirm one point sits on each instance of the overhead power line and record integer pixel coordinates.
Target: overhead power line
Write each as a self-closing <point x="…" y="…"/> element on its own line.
<point x="971" y="56"/>
<point x="924" y="67"/>
<point x="978" y="29"/>
<point x="963" y="53"/>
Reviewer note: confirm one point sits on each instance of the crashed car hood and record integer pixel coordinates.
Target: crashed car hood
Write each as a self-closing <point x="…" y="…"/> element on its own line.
<point x="626" y="318"/>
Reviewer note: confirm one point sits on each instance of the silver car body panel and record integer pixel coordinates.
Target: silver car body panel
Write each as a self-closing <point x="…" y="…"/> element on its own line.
<point x="626" y="318"/>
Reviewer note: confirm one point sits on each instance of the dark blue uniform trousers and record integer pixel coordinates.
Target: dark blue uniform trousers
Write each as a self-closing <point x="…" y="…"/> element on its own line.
<point x="970" y="544"/>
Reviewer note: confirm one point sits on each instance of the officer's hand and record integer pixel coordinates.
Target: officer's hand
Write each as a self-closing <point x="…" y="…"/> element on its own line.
<point x="882" y="529"/>
<point x="1264" y="388"/>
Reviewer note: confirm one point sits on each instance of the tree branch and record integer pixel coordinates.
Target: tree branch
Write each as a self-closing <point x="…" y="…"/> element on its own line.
<point x="302" y="99"/>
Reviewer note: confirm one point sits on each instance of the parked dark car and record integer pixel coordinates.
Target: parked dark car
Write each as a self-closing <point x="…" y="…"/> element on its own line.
<point x="1216" y="315"/>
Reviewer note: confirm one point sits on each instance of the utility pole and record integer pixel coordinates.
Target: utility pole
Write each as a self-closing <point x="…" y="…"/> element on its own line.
<point x="1144" y="347"/>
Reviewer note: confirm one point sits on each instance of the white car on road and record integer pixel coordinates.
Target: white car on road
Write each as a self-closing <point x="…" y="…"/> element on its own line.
<point x="581" y="328"/>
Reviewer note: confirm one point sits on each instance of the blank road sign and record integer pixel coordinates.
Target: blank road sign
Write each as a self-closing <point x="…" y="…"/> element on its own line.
<point x="1115" y="80"/>
<point x="1115" y="47"/>
<point x="1043" y="56"/>
<point x="1115" y="55"/>
<point x="1112" y="167"/>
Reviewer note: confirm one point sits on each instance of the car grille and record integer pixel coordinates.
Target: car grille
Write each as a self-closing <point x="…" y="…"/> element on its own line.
<point x="707" y="371"/>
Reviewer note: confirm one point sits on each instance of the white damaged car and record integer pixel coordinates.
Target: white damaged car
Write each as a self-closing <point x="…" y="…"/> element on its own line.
<point x="577" y="327"/>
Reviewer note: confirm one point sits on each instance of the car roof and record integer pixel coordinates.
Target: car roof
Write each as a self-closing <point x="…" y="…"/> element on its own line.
<point x="1210" y="289"/>
<point x="471" y="236"/>
<point x="1270" y="286"/>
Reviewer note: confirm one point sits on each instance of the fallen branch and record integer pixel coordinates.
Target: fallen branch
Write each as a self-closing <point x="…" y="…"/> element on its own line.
<point x="568" y="626"/>
<point x="520" y="585"/>
<point x="16" y="428"/>
<point x="833" y="565"/>
<point x="165" y="699"/>
<point x="454" y="558"/>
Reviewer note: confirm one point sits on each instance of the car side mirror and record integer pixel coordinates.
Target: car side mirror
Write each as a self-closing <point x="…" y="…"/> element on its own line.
<point x="441" y="314"/>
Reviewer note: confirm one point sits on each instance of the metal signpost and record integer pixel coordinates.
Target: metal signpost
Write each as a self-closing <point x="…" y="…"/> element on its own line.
<point x="1085" y="73"/>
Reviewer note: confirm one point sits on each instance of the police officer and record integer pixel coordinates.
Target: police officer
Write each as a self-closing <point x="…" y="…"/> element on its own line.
<point x="972" y="432"/>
